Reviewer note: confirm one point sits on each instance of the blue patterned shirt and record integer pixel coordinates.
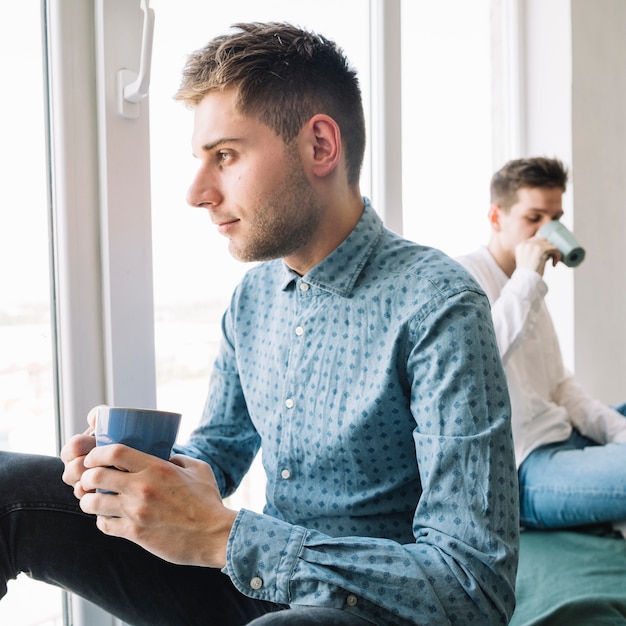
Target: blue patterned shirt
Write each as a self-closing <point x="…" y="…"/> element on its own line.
<point x="374" y="388"/>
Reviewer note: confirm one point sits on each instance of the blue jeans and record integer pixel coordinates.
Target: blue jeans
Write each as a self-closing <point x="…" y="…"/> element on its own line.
<point x="575" y="482"/>
<point x="44" y="533"/>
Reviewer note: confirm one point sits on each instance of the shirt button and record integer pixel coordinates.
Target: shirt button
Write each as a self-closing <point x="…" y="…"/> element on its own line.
<point x="256" y="583"/>
<point x="351" y="600"/>
<point x="285" y="474"/>
<point x="304" y="286"/>
<point x="299" y="331"/>
<point x="289" y="403"/>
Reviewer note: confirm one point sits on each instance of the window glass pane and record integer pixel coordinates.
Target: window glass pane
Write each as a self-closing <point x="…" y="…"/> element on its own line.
<point x="27" y="419"/>
<point x="27" y="415"/>
<point x="194" y="273"/>
<point x="446" y="122"/>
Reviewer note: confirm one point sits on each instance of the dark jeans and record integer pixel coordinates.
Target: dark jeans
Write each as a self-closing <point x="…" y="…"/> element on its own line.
<point x="44" y="533"/>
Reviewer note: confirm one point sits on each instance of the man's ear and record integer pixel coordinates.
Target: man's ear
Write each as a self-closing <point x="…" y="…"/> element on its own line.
<point x="322" y="140"/>
<point x="494" y="216"/>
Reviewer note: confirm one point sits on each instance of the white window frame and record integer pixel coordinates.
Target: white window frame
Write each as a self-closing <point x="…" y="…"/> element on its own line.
<point x="385" y="139"/>
<point x="101" y="198"/>
<point x="508" y="45"/>
<point x="100" y="194"/>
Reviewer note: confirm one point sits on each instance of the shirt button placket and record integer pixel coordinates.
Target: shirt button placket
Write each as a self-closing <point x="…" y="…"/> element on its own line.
<point x="285" y="473"/>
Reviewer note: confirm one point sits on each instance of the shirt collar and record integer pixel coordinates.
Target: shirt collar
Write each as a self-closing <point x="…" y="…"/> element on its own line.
<point x="340" y="269"/>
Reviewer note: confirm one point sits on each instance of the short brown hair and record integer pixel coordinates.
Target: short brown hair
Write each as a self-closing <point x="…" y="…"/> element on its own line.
<point x="535" y="172"/>
<point x="284" y="76"/>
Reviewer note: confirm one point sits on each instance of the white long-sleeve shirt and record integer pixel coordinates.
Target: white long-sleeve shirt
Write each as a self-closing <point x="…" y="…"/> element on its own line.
<point x="546" y="401"/>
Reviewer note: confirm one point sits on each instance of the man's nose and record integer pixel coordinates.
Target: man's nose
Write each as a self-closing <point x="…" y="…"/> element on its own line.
<point x="203" y="191"/>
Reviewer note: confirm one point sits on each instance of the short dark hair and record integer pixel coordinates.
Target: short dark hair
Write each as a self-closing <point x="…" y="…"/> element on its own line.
<point x="534" y="172"/>
<point x="284" y="76"/>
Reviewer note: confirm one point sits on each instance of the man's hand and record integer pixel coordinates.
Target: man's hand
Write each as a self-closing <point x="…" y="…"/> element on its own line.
<point x="171" y="508"/>
<point x="74" y="452"/>
<point x="533" y="254"/>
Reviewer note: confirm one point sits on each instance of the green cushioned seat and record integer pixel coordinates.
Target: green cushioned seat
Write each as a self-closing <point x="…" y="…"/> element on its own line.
<point x="568" y="578"/>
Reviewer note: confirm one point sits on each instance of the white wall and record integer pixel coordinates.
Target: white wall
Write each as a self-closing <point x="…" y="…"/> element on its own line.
<point x="599" y="158"/>
<point x="575" y="97"/>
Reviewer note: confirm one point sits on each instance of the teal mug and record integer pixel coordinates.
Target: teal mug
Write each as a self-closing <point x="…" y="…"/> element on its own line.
<point x="572" y="253"/>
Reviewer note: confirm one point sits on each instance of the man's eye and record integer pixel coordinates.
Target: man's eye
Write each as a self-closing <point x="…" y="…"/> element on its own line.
<point x="223" y="156"/>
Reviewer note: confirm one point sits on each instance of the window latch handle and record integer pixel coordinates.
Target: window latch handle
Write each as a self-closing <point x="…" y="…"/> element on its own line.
<point x="132" y="86"/>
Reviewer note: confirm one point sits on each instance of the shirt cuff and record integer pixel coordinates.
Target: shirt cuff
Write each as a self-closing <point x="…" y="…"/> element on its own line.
<point x="528" y="284"/>
<point x="261" y="555"/>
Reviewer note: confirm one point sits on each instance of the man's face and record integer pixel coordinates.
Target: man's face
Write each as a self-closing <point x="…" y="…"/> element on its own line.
<point x="535" y="207"/>
<point x="251" y="182"/>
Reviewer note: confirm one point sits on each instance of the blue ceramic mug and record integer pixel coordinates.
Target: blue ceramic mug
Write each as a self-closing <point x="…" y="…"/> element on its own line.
<point x="147" y="430"/>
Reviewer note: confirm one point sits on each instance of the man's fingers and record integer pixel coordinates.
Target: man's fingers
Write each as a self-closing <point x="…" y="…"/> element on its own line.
<point x="120" y="456"/>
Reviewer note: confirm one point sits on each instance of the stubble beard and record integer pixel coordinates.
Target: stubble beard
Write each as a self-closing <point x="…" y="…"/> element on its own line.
<point x="285" y="222"/>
